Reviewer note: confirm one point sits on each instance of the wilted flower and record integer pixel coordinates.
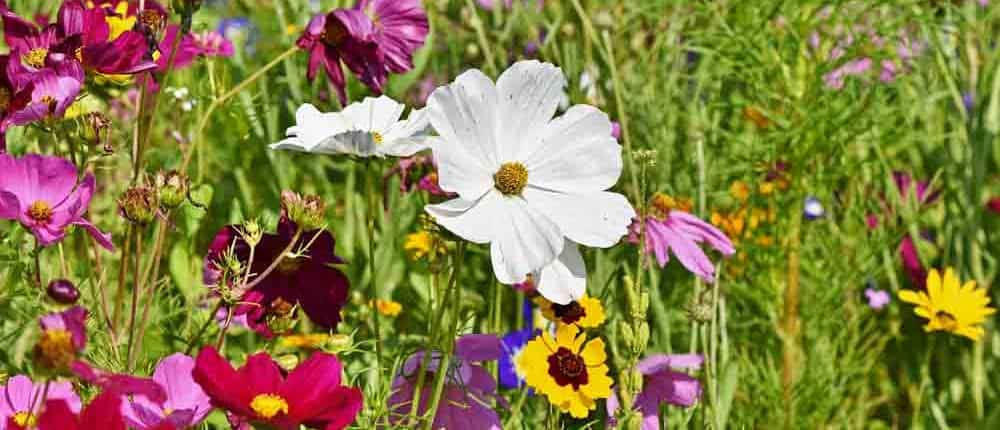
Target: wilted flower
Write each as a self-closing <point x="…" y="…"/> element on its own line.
<point x="468" y="391"/>
<point x="186" y="404"/>
<point x="529" y="185"/>
<point x="172" y="188"/>
<point x="260" y="393"/>
<point x="662" y="384"/>
<point x="368" y="128"/>
<point x="307" y="212"/>
<point x="18" y="400"/>
<point x="948" y="305"/>
<point x="42" y="193"/>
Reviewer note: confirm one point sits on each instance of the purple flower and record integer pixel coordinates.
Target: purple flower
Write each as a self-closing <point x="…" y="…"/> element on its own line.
<point x="186" y="404"/>
<point x="307" y="279"/>
<point x="905" y="183"/>
<point x="53" y="91"/>
<point x="877" y="299"/>
<point x="858" y="67"/>
<point x="19" y="399"/>
<point x="43" y="194"/>
<point x="192" y="46"/>
<point x="348" y="35"/>
<point x="468" y="390"/>
<point x="511" y="344"/>
<point x="671" y="230"/>
<point x="663" y="385"/>
<point x="11" y="100"/>
<point x="401" y="27"/>
<point x="969" y="101"/>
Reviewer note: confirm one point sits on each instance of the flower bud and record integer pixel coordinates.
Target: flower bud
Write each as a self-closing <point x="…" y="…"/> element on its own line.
<point x="641" y="337"/>
<point x="172" y="187"/>
<point x="251" y="233"/>
<point x="699" y="311"/>
<point x="308" y="212"/>
<point x="628" y="335"/>
<point x="339" y="343"/>
<point x="63" y="291"/>
<point x="281" y="316"/>
<point x="138" y="204"/>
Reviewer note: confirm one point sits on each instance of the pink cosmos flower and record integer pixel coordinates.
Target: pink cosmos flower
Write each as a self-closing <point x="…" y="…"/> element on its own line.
<point x="186" y="404"/>
<point x="348" y="35"/>
<point x="662" y="385"/>
<point x="670" y="230"/>
<point x="468" y="392"/>
<point x="192" y="46"/>
<point x="101" y="414"/>
<point x="261" y="393"/>
<point x="401" y="28"/>
<point x="42" y="193"/>
<point x="12" y="100"/>
<point x="18" y="399"/>
<point x="53" y="90"/>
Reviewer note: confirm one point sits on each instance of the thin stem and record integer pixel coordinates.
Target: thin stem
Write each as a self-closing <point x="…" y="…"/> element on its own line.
<point x="443" y="367"/>
<point x="197" y="336"/>
<point x="372" y="285"/>
<point x="165" y="78"/>
<point x="122" y="273"/>
<point x="275" y="263"/>
<point x="134" y="308"/>
<point x="161" y="233"/>
<point x="225" y="328"/>
<point x="225" y="97"/>
<point x="38" y="264"/>
<point x="103" y="293"/>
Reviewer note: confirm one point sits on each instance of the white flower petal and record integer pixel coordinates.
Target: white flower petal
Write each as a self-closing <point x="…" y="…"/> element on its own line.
<point x="311" y="128"/>
<point x="576" y="153"/>
<point x="354" y="142"/>
<point x="470" y="220"/>
<point x="464" y="114"/>
<point x="406" y="138"/>
<point x="565" y="279"/>
<point x="373" y="114"/>
<point x="524" y="240"/>
<point x="528" y="94"/>
<point x="597" y="218"/>
<point x="458" y="171"/>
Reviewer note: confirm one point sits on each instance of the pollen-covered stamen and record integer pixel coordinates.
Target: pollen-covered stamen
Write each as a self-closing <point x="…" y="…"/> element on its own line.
<point x="661" y="205"/>
<point x="569" y="313"/>
<point x="40" y="212"/>
<point x="268" y="406"/>
<point x="946" y="320"/>
<point x="377" y="137"/>
<point x="25" y="419"/>
<point x="511" y="178"/>
<point x="55" y="349"/>
<point x="568" y="368"/>
<point x="35" y="57"/>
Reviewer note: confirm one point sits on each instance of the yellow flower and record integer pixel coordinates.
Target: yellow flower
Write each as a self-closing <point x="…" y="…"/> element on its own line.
<point x="388" y="308"/>
<point x="586" y="312"/>
<point x="949" y="306"/>
<point x="120" y="22"/>
<point x="305" y="341"/>
<point x="661" y="204"/>
<point x="575" y="375"/>
<point x="739" y="190"/>
<point x="423" y="244"/>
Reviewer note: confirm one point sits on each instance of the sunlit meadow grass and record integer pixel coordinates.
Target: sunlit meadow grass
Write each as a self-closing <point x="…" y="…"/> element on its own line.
<point x="707" y="94"/>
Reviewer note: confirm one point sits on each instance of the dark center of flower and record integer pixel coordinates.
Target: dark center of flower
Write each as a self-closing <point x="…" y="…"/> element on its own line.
<point x="281" y="308"/>
<point x="40" y="212"/>
<point x="567" y="368"/>
<point x="946" y="320"/>
<point x="334" y="32"/>
<point x="511" y="178"/>
<point x="35" y="57"/>
<point x="151" y="19"/>
<point x="569" y="313"/>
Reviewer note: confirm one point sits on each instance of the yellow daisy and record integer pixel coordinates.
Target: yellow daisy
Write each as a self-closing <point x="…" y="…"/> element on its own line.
<point x="423" y="244"/>
<point x="388" y="308"/>
<point x="586" y="312"/>
<point x="575" y="376"/>
<point x="950" y="306"/>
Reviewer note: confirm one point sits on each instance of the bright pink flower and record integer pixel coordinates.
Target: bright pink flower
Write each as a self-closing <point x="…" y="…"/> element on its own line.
<point x="186" y="404"/>
<point x="12" y="100"/>
<point x="348" y="35"/>
<point x="192" y="46"/>
<point x="43" y="194"/>
<point x="53" y="90"/>
<point x="681" y="233"/>
<point x="101" y="414"/>
<point x="18" y="399"/>
<point x="72" y="321"/>
<point x="662" y="385"/>
<point x="468" y="392"/>
<point x="401" y="28"/>
<point x="260" y="393"/>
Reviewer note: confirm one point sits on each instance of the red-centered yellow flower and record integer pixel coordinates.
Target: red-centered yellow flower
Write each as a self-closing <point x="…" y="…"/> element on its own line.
<point x="568" y="370"/>
<point x="586" y="312"/>
<point x="951" y="306"/>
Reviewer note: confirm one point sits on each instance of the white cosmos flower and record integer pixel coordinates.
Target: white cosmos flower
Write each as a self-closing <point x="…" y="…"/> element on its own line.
<point x="368" y="128"/>
<point x="529" y="185"/>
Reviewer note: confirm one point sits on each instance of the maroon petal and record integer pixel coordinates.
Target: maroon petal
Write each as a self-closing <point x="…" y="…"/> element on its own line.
<point x="222" y="383"/>
<point x="322" y="291"/>
<point x="125" y="55"/>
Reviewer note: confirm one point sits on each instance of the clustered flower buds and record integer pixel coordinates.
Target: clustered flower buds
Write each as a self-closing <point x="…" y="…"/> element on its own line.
<point x="307" y="212"/>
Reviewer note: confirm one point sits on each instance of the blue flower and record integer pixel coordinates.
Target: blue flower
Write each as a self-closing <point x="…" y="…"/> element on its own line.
<point x="511" y="345"/>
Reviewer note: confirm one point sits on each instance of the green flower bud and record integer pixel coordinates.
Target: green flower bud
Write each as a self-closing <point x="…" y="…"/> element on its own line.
<point x="628" y="335"/>
<point x="642" y="337"/>
<point x="172" y="187"/>
<point x="308" y="212"/>
<point x="339" y="343"/>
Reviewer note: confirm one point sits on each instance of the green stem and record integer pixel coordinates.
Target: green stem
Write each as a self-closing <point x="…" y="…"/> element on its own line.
<point x="134" y="308"/>
<point x="441" y="375"/>
<point x="372" y="216"/>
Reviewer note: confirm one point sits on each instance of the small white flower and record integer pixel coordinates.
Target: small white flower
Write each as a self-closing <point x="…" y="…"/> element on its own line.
<point x="368" y="128"/>
<point x="529" y="185"/>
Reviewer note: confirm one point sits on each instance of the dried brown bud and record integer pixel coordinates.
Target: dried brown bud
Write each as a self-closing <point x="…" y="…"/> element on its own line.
<point x="139" y="204"/>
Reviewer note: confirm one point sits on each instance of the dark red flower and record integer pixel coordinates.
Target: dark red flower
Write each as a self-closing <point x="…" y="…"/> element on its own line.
<point x="311" y="395"/>
<point x="306" y="279"/>
<point x="103" y="413"/>
<point x="994" y="205"/>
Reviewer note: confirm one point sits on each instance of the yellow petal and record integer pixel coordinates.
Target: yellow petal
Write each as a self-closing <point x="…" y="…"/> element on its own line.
<point x="917" y="298"/>
<point x="934" y="285"/>
<point x="593" y="312"/>
<point x="566" y="336"/>
<point x="593" y="354"/>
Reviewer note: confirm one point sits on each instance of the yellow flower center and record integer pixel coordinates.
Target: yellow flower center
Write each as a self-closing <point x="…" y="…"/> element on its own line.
<point x="511" y="178"/>
<point x="269" y="405"/>
<point x="55" y="349"/>
<point x="40" y="211"/>
<point x="946" y="320"/>
<point x="25" y="419"/>
<point x="377" y="137"/>
<point x="35" y="57"/>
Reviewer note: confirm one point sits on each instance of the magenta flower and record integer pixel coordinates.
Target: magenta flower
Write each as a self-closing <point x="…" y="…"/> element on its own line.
<point x="11" y="100"/>
<point x="348" y="35"/>
<point x="186" y="405"/>
<point x="261" y="393"/>
<point x="662" y="385"/>
<point x="468" y="392"/>
<point x="192" y="46"/>
<point x="994" y="205"/>
<point x="53" y="90"/>
<point x="101" y="414"/>
<point x="32" y="49"/>
<point x="307" y="280"/>
<point x="42" y="193"/>
<point x="674" y="231"/>
<point x="18" y="400"/>
<point x="401" y="28"/>
<point x="906" y="184"/>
